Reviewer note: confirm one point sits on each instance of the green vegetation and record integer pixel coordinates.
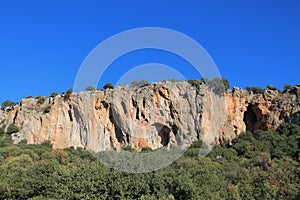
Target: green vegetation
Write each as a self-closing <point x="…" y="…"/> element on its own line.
<point x="108" y="86"/>
<point x="12" y="128"/>
<point x="260" y="165"/>
<point x="271" y="87"/>
<point x="1" y="130"/>
<point x="91" y="88"/>
<point x="218" y="85"/>
<point x="140" y="83"/>
<point x="53" y="94"/>
<point x="41" y="99"/>
<point x="8" y="103"/>
<point x="67" y="95"/>
<point x="287" y="87"/>
<point x="46" y="109"/>
<point x="255" y="90"/>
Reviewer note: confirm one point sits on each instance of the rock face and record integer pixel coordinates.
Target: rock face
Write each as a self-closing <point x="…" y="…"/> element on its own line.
<point x="162" y="114"/>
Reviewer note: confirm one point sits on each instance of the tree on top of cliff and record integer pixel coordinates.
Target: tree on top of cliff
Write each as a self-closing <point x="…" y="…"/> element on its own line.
<point x="255" y="90"/>
<point x="140" y="83"/>
<point x="90" y="88"/>
<point x="219" y="85"/>
<point x="108" y="85"/>
<point x="8" y="103"/>
<point x="271" y="87"/>
<point x="68" y="94"/>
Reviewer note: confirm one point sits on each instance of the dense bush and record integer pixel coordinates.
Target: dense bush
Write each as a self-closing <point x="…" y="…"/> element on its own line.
<point x="46" y="109"/>
<point x="40" y="99"/>
<point x="53" y="94"/>
<point x="108" y="86"/>
<point x="67" y="95"/>
<point x="12" y="128"/>
<point x="1" y="130"/>
<point x="90" y="88"/>
<point x="287" y="87"/>
<point x="271" y="87"/>
<point x="8" y="103"/>
<point x="218" y="85"/>
<point x="261" y="165"/>
<point x="255" y="90"/>
<point x="140" y="83"/>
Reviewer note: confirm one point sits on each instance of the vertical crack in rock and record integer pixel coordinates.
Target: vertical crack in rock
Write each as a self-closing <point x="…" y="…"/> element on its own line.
<point x="15" y="116"/>
<point x="70" y="115"/>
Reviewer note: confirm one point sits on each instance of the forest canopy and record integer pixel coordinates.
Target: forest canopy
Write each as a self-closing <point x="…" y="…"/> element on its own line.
<point x="260" y="165"/>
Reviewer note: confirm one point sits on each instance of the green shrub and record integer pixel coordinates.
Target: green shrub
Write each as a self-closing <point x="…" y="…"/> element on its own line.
<point x="287" y="87"/>
<point x="194" y="82"/>
<point x="1" y="130"/>
<point x="140" y="83"/>
<point x="68" y="94"/>
<point x="12" y="128"/>
<point x="108" y="86"/>
<point x="8" y="103"/>
<point x="271" y="87"/>
<point x="46" y="109"/>
<point x="255" y="90"/>
<point x="90" y="88"/>
<point x="41" y="100"/>
<point x="53" y="94"/>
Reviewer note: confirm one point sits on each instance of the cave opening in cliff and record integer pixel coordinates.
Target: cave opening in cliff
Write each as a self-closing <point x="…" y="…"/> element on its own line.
<point x="164" y="134"/>
<point x="250" y="118"/>
<point x="118" y="132"/>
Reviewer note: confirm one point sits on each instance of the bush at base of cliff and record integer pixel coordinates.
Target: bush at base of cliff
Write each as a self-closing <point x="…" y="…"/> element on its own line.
<point x="260" y="165"/>
<point x="12" y="128"/>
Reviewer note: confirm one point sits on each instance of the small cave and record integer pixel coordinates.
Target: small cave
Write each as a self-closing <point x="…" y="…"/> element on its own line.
<point x="250" y="118"/>
<point x="164" y="134"/>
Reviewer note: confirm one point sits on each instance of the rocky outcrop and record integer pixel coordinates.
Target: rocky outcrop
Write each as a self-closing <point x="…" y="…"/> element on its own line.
<point x="162" y="114"/>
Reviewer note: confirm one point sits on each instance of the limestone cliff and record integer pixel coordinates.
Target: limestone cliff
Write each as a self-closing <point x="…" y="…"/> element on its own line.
<point x="162" y="114"/>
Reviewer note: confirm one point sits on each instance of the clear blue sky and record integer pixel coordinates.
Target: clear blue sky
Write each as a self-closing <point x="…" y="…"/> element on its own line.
<point x="43" y="43"/>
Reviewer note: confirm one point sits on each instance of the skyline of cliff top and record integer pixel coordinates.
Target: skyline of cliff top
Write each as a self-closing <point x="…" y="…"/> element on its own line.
<point x="44" y="44"/>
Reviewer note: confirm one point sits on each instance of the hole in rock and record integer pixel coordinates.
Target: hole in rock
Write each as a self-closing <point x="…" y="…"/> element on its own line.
<point x="250" y="118"/>
<point x="164" y="134"/>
